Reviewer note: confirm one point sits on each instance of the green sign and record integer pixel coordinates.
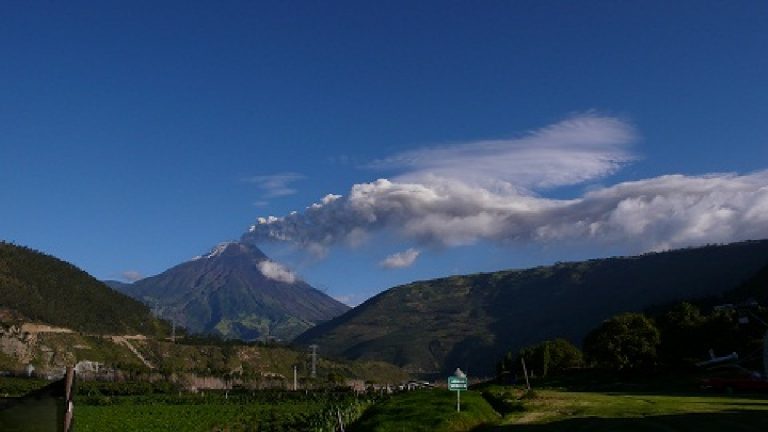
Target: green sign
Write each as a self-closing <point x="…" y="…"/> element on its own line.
<point x="457" y="383"/>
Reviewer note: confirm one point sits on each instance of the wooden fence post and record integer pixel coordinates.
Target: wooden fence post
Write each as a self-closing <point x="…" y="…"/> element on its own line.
<point x="69" y="399"/>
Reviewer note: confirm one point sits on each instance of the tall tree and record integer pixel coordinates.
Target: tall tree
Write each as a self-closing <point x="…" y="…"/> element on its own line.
<point x="624" y="342"/>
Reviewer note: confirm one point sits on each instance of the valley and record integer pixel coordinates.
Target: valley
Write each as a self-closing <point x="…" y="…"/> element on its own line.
<point x="382" y="365"/>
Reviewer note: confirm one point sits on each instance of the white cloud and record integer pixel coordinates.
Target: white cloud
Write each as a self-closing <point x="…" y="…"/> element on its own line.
<point x="439" y="203"/>
<point x="657" y="213"/>
<point x="275" y="185"/>
<point x="132" y="275"/>
<point x="276" y="271"/>
<point x="400" y="259"/>
<point x="351" y="300"/>
<point x="668" y="211"/>
<point x="444" y="212"/>
<point x="575" y="150"/>
<point x="346" y="299"/>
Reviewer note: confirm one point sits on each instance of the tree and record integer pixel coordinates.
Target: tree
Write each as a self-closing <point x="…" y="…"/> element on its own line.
<point x="624" y="342"/>
<point x="551" y="357"/>
<point x="683" y="335"/>
<point x="546" y="358"/>
<point x="506" y="365"/>
<point x="336" y="379"/>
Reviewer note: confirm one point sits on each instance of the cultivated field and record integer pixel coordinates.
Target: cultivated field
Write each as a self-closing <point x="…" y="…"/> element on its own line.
<point x="258" y="411"/>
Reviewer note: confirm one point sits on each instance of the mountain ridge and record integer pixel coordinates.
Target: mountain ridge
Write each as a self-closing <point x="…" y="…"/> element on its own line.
<point x="46" y="289"/>
<point x="469" y="321"/>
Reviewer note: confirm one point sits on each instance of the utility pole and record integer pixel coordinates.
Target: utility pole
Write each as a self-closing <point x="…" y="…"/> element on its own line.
<point x="313" y="347"/>
<point x="295" y="380"/>
<point x="525" y="372"/>
<point x="173" y="330"/>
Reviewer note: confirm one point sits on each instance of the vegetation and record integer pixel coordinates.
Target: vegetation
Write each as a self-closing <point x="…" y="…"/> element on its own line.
<point x="428" y="411"/>
<point x="45" y="289"/>
<point x="554" y="411"/>
<point x="17" y="386"/>
<point x="474" y="320"/>
<point x="251" y="362"/>
<point x="626" y="341"/>
<point x="638" y="347"/>
<point x="8" y="362"/>
<point x="212" y="411"/>
<point x="666" y="339"/>
<point x="548" y="357"/>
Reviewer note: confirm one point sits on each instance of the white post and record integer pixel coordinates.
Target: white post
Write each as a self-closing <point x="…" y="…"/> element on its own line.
<point x="341" y="423"/>
<point x="314" y="361"/>
<point x="525" y="371"/>
<point x="295" y="381"/>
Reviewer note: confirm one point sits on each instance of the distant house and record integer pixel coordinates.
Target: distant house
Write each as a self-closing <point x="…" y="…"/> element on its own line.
<point x="85" y="367"/>
<point x="415" y="385"/>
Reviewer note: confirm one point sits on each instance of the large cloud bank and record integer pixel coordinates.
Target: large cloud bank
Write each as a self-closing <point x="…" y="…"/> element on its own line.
<point x="487" y="191"/>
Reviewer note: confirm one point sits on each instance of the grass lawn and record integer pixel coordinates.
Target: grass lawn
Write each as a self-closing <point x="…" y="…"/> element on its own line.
<point x="553" y="410"/>
<point x="428" y="411"/>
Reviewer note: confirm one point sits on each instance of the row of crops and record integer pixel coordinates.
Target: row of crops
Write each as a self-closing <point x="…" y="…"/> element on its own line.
<point x="277" y="410"/>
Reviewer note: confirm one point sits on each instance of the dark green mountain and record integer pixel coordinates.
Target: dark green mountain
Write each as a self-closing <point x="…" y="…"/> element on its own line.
<point x="235" y="291"/>
<point x="42" y="288"/>
<point x="470" y="321"/>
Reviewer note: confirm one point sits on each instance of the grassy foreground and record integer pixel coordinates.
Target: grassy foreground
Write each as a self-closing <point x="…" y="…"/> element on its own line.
<point x="428" y="411"/>
<point x="554" y="411"/>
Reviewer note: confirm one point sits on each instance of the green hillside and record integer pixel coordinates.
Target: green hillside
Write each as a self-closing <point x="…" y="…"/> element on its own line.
<point x="46" y="289"/>
<point x="469" y="321"/>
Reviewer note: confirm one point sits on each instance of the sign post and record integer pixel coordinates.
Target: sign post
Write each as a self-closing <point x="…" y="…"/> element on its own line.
<point x="457" y="383"/>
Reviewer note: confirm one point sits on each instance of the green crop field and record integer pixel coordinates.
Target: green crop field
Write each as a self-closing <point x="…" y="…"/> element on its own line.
<point x="14" y="386"/>
<point x="122" y="407"/>
<point x="270" y="411"/>
<point x="210" y="417"/>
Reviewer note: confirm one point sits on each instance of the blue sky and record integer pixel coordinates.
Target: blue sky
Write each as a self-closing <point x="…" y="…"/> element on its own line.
<point x="135" y="135"/>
